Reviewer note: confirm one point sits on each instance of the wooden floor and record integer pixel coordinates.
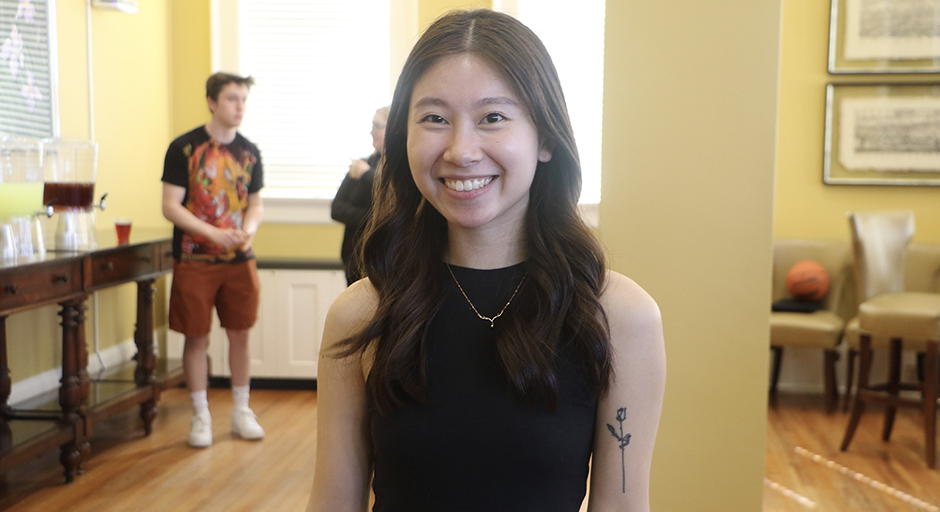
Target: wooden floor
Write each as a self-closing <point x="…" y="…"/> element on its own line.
<point x="161" y="473"/>
<point x="872" y="476"/>
<point x="128" y="471"/>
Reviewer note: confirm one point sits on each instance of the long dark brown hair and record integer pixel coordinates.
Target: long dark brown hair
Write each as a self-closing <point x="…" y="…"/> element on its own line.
<point x="558" y="306"/>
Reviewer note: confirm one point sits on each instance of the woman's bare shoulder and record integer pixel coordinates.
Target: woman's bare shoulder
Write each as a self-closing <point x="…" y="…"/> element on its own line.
<point x="631" y="311"/>
<point x="350" y="312"/>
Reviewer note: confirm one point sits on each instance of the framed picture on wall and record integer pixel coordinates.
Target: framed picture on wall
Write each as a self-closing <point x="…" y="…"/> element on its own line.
<point x="880" y="36"/>
<point x="882" y="134"/>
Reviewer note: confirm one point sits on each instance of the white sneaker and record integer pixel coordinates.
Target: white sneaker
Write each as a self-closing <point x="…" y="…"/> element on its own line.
<point x="200" y="432"/>
<point x="245" y="424"/>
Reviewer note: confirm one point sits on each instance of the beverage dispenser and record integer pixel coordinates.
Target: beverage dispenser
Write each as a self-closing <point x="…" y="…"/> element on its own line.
<point x="21" y="186"/>
<point x="70" y="169"/>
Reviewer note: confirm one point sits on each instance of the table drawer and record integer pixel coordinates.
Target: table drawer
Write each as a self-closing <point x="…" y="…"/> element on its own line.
<point x="47" y="282"/>
<point x="123" y="265"/>
<point x="165" y="250"/>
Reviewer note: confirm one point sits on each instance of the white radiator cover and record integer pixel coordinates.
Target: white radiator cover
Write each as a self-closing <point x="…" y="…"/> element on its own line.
<point x="285" y="342"/>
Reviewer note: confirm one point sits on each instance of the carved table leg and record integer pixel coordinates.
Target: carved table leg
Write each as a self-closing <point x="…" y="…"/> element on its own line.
<point x="6" y="385"/>
<point x="6" y="434"/>
<point x="6" y="438"/>
<point x="75" y="388"/>
<point x="70" y="458"/>
<point x="146" y="358"/>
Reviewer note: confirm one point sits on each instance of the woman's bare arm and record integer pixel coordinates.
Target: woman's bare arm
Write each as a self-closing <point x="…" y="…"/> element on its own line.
<point x="344" y="449"/>
<point x="628" y="416"/>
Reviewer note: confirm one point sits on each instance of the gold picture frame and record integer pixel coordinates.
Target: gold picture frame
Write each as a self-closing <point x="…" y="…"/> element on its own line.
<point x="882" y="134"/>
<point x="884" y="37"/>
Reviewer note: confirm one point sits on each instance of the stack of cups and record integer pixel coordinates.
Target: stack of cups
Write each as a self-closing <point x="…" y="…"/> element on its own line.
<point x="21" y="189"/>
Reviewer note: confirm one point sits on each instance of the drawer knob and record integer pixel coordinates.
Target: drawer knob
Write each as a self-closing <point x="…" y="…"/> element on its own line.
<point x="61" y="278"/>
<point x="108" y="265"/>
<point x="11" y="289"/>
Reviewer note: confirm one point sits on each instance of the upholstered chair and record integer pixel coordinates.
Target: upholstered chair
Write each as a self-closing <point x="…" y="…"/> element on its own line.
<point x="908" y="320"/>
<point x="821" y="329"/>
<point x="921" y="274"/>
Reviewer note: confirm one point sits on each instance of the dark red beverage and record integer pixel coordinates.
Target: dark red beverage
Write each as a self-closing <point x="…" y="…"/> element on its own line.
<point x="123" y="229"/>
<point x="68" y="195"/>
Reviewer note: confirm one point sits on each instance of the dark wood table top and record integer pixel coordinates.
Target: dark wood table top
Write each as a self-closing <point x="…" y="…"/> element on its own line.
<point x="65" y="275"/>
<point x="107" y="240"/>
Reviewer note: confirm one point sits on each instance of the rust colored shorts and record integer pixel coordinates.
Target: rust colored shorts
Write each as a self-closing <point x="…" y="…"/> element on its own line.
<point x="233" y="289"/>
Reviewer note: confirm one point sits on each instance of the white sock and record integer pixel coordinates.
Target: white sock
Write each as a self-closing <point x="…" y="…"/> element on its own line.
<point x="200" y="402"/>
<point x="240" y="396"/>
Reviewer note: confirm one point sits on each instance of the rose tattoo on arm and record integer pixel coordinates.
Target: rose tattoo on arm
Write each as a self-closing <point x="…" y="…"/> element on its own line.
<point x="624" y="440"/>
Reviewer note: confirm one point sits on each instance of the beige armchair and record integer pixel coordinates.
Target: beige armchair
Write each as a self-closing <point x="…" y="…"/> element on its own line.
<point x="820" y="329"/>
<point x="885" y="311"/>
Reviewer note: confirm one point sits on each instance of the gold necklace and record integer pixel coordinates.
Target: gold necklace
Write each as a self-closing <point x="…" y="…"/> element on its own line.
<point x="488" y="319"/>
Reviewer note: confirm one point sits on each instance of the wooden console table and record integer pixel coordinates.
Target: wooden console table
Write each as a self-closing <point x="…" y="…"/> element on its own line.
<point x="67" y="279"/>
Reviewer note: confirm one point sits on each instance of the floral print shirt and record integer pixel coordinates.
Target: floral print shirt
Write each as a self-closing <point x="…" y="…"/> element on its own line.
<point x="218" y="178"/>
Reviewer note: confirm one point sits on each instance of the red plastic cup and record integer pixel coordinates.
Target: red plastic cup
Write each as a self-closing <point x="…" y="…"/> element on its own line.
<point x="123" y="229"/>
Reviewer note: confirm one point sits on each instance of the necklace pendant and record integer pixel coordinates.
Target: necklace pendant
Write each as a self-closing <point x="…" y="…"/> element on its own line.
<point x="481" y="317"/>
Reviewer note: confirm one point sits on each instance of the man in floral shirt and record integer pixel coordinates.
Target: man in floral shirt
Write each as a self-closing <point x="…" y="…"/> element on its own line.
<point x="211" y="182"/>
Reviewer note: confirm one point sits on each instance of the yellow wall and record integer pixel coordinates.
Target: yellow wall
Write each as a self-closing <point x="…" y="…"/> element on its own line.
<point x="688" y="161"/>
<point x="191" y="64"/>
<point x="132" y="109"/>
<point x="73" y="65"/>
<point x="318" y="241"/>
<point x="687" y="187"/>
<point x="804" y="206"/>
<point x="131" y="61"/>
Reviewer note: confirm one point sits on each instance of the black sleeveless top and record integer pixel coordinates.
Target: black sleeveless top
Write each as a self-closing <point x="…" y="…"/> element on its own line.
<point x="477" y="446"/>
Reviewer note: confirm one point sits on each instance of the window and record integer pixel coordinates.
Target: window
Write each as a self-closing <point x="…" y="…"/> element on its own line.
<point x="579" y="58"/>
<point x="321" y="69"/>
<point x="27" y="68"/>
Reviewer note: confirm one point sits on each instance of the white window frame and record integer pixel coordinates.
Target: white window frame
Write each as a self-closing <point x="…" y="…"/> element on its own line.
<point x="225" y="56"/>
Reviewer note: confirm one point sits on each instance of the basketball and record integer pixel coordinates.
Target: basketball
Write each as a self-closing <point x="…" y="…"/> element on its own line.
<point x="807" y="280"/>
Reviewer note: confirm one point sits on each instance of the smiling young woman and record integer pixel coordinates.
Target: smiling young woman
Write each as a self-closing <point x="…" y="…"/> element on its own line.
<point x="489" y="361"/>
<point x="473" y="148"/>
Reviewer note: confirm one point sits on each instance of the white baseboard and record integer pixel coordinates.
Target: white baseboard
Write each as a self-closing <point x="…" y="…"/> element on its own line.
<point x="35" y="385"/>
<point x="51" y="380"/>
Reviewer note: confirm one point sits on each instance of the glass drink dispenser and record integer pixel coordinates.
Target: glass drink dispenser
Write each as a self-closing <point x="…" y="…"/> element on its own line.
<point x="21" y="185"/>
<point x="70" y="169"/>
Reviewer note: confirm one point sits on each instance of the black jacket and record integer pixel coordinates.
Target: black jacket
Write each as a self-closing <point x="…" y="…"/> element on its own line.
<point x="352" y="206"/>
